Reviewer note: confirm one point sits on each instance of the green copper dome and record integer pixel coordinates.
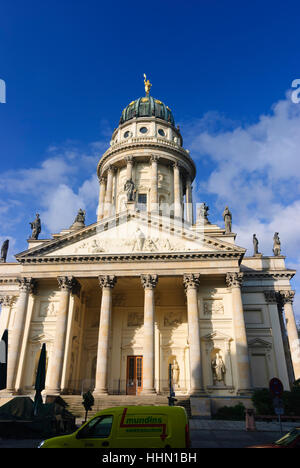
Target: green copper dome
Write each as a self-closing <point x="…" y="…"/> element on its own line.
<point x="147" y="107"/>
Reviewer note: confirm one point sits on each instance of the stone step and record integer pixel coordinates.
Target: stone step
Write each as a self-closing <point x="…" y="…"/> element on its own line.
<point x="75" y="403"/>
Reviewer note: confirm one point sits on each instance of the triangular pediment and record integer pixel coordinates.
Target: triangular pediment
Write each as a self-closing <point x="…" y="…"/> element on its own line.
<point x="131" y="233"/>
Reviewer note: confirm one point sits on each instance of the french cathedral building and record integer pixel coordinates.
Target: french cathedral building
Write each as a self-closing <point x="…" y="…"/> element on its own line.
<point x="152" y="283"/>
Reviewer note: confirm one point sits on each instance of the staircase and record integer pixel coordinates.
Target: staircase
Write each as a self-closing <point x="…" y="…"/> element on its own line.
<point x="75" y="405"/>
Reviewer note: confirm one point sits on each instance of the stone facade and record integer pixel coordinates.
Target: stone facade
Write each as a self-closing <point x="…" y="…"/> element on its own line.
<point x="147" y="286"/>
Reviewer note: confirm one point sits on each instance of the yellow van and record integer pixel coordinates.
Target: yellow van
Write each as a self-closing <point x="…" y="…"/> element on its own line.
<point x="129" y="427"/>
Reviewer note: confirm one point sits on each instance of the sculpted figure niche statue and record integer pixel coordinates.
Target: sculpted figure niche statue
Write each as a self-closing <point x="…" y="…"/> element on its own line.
<point x="4" y="250"/>
<point x="130" y="190"/>
<point x="276" y="245"/>
<point x="227" y="220"/>
<point x="36" y="227"/>
<point x="175" y="372"/>
<point x="218" y="369"/>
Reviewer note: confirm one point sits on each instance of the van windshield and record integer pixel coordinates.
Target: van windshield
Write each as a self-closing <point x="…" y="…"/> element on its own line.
<point x="98" y="427"/>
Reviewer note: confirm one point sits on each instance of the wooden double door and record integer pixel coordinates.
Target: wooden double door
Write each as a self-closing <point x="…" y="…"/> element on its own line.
<point x="134" y="379"/>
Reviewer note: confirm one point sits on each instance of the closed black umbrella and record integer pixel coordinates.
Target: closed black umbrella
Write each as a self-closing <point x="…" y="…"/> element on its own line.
<point x="3" y="360"/>
<point x="40" y="381"/>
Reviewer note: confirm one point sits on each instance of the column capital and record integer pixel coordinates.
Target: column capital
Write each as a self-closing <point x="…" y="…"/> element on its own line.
<point x="149" y="281"/>
<point x="154" y="158"/>
<point x="191" y="280"/>
<point x="107" y="281"/>
<point x="234" y="279"/>
<point x="271" y="296"/>
<point x="27" y="285"/>
<point x="68" y="283"/>
<point x="7" y="300"/>
<point x="129" y="159"/>
<point x="111" y="168"/>
<point x="176" y="165"/>
<point x="102" y="179"/>
<point x="286" y="296"/>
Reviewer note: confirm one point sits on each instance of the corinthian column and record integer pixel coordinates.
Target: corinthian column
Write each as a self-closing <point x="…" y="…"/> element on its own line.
<point x="102" y="182"/>
<point x="154" y="184"/>
<point x="67" y="285"/>
<point x="177" y="198"/>
<point x="26" y="287"/>
<point x="149" y="282"/>
<point x="129" y="161"/>
<point x="107" y="283"/>
<point x="6" y="302"/>
<point x="189" y="202"/>
<point x="191" y="283"/>
<point x="287" y="298"/>
<point x="109" y="191"/>
<point x="234" y="281"/>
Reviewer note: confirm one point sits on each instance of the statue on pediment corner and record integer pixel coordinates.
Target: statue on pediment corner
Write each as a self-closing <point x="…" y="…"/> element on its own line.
<point x="4" y="250"/>
<point x="36" y="227"/>
<point x="227" y="220"/>
<point x="276" y="245"/>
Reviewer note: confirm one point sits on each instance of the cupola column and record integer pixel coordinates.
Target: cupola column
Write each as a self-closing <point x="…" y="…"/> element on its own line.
<point x="177" y="198"/>
<point x="102" y="182"/>
<point x="154" y="184"/>
<point x="109" y="191"/>
<point x="189" y="201"/>
<point x="129" y="161"/>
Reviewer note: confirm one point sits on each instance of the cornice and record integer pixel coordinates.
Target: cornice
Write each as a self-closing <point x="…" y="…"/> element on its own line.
<point x="287" y="274"/>
<point x="146" y="142"/>
<point x="131" y="257"/>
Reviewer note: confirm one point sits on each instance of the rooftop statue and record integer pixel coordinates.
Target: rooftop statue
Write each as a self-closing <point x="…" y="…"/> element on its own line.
<point x="79" y="221"/>
<point x="227" y="220"/>
<point x="255" y="245"/>
<point x="147" y="85"/>
<point x="4" y="250"/>
<point x="35" y="227"/>
<point x="276" y="245"/>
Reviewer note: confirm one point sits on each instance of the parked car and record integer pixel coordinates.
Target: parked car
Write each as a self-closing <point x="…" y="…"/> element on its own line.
<point x="289" y="440"/>
<point x="129" y="427"/>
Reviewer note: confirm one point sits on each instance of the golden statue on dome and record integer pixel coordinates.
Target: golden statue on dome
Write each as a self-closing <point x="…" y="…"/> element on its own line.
<point x="147" y="85"/>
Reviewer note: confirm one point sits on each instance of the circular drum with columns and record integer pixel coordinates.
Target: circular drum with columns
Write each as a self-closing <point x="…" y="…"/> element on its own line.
<point x="147" y="150"/>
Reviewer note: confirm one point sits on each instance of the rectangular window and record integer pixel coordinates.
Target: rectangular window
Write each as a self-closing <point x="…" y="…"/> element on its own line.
<point x="142" y="202"/>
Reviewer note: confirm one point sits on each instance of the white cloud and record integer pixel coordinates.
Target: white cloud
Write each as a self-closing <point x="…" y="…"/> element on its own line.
<point x="256" y="171"/>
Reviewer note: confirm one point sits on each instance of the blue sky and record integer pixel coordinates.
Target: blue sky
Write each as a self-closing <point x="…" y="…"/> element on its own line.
<point x="224" y="68"/>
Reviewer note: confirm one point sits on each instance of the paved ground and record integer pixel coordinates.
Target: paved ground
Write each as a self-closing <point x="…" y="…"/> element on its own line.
<point x="204" y="434"/>
<point x="232" y="434"/>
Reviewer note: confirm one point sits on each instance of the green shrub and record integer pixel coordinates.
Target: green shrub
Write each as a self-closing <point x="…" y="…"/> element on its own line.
<point x="231" y="413"/>
<point x="262" y="402"/>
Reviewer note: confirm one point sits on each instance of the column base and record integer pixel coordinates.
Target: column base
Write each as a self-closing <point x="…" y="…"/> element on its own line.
<point x="52" y="391"/>
<point x="9" y="392"/>
<point x="148" y="391"/>
<point x="99" y="393"/>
